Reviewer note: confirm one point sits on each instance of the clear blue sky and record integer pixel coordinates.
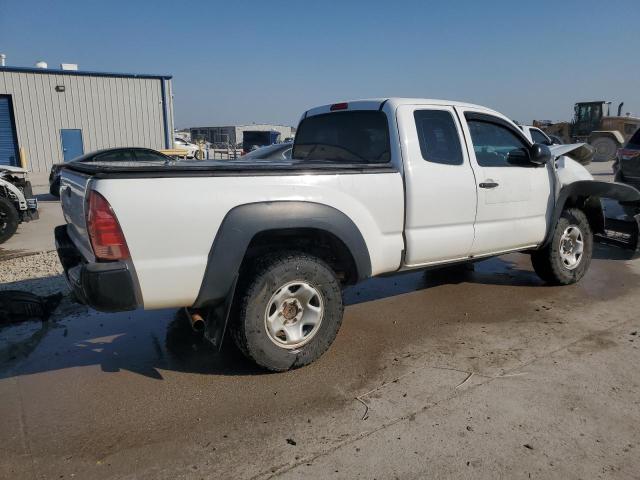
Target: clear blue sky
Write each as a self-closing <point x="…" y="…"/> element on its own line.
<point x="267" y="61"/>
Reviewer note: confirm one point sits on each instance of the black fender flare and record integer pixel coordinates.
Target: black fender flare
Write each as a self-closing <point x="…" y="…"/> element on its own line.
<point x="591" y="190"/>
<point x="244" y="222"/>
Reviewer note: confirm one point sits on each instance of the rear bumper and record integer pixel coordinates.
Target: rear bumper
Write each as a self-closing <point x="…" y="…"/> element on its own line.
<point x="108" y="286"/>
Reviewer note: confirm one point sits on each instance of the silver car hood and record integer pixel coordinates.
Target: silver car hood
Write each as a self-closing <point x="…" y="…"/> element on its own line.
<point x="11" y="169"/>
<point x="580" y="152"/>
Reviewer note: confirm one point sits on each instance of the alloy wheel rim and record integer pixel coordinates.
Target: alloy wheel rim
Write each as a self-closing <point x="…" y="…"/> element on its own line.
<point x="571" y="247"/>
<point x="294" y="314"/>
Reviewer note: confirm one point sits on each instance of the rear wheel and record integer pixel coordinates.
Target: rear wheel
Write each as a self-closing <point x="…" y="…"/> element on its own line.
<point x="8" y="219"/>
<point x="566" y="258"/>
<point x="289" y="312"/>
<point x="198" y="155"/>
<point x="605" y="149"/>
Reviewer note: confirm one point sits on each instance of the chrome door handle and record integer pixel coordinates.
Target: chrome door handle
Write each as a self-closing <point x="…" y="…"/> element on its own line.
<point x="489" y="184"/>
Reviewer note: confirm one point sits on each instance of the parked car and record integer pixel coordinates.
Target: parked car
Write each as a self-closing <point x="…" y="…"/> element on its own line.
<point x="125" y="154"/>
<point x="17" y="203"/>
<point x="536" y="135"/>
<point x="626" y="167"/>
<point x="581" y="152"/>
<point x="373" y="187"/>
<point x="278" y="151"/>
<point x="193" y="151"/>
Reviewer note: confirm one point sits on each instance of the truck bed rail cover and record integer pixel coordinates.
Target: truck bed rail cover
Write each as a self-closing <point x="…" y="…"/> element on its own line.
<point x="224" y="167"/>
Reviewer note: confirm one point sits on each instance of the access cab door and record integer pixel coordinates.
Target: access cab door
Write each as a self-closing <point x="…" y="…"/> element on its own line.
<point x="514" y="195"/>
<point x="439" y="185"/>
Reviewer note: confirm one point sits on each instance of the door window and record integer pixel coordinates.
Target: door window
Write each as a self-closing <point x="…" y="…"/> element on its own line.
<point x="497" y="146"/>
<point x="438" y="136"/>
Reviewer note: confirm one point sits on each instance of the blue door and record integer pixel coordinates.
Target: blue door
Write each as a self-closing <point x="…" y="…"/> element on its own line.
<point x="71" y="143"/>
<point x="8" y="144"/>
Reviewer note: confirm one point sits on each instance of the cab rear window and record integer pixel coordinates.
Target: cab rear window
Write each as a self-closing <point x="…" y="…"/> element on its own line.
<point x="360" y="136"/>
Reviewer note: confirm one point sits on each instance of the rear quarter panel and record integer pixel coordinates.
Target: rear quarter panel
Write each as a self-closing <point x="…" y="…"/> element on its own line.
<point x="170" y="223"/>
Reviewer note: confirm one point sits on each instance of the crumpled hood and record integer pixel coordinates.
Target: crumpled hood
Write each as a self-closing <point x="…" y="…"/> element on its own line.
<point x="580" y="152"/>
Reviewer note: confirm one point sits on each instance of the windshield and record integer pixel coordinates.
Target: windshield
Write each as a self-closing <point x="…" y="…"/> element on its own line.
<point x="351" y="137"/>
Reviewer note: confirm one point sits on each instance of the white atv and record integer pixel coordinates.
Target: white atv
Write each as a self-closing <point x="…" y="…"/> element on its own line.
<point x="17" y="203"/>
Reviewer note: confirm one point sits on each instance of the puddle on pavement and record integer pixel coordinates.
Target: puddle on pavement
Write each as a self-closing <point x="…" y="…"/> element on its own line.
<point x="152" y="343"/>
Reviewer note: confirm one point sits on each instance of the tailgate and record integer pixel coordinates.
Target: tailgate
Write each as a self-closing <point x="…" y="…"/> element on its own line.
<point x="73" y="189"/>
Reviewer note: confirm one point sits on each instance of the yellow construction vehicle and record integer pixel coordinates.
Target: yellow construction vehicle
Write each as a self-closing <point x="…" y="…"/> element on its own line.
<point x="605" y="133"/>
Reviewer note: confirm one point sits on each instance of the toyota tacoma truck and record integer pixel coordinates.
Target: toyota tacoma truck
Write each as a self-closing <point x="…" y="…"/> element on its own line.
<point x="373" y="187"/>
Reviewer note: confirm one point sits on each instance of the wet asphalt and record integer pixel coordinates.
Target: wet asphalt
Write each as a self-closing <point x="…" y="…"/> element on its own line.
<point x="138" y="395"/>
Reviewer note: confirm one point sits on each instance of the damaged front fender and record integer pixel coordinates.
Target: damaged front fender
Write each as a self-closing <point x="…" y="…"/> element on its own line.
<point x="587" y="195"/>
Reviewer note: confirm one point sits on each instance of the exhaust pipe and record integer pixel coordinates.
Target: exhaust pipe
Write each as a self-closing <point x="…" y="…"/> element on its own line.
<point x="197" y="321"/>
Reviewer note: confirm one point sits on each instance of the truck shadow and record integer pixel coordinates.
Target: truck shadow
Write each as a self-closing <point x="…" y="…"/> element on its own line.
<point x="508" y="270"/>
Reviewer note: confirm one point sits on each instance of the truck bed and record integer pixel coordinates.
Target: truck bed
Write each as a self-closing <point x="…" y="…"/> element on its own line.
<point x="170" y="213"/>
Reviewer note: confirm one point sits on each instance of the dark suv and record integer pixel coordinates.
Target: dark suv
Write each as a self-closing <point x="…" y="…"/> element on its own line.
<point x="627" y="164"/>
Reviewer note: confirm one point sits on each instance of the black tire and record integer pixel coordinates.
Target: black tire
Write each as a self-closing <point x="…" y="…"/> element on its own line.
<point x="54" y="188"/>
<point x="605" y="148"/>
<point x="198" y="155"/>
<point x="255" y="294"/>
<point x="8" y="219"/>
<point x="548" y="263"/>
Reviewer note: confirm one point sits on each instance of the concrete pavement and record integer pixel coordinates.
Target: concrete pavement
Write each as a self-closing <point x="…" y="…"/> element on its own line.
<point x="134" y="396"/>
<point x="488" y="374"/>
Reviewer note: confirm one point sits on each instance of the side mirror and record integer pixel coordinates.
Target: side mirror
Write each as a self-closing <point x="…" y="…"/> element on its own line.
<point x="539" y="154"/>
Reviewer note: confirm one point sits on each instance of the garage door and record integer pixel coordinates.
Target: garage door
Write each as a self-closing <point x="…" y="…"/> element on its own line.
<point x="8" y="150"/>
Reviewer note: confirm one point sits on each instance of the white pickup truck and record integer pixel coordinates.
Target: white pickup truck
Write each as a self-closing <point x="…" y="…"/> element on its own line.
<point x="373" y="187"/>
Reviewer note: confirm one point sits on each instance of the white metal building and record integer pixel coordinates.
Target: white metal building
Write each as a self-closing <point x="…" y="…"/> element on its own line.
<point x="50" y="116"/>
<point x="233" y="134"/>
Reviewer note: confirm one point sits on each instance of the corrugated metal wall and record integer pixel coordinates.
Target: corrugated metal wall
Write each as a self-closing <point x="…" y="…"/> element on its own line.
<point x="110" y="111"/>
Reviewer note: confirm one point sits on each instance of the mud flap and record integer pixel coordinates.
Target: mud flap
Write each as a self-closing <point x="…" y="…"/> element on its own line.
<point x="218" y="318"/>
<point x="623" y="231"/>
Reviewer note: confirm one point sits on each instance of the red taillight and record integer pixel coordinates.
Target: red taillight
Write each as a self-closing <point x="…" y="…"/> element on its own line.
<point x="105" y="233"/>
<point x="627" y="153"/>
<point x="339" y="106"/>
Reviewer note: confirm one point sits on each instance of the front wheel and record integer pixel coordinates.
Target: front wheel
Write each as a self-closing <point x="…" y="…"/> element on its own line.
<point x="566" y="258"/>
<point x="8" y="219"/>
<point x="289" y="312"/>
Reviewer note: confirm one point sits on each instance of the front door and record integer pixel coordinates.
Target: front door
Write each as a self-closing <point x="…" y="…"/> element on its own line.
<point x="71" y="143"/>
<point x="514" y="195"/>
<point x="439" y="183"/>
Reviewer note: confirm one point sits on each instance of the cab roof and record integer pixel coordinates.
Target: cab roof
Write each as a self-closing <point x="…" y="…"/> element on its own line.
<point x="394" y="102"/>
